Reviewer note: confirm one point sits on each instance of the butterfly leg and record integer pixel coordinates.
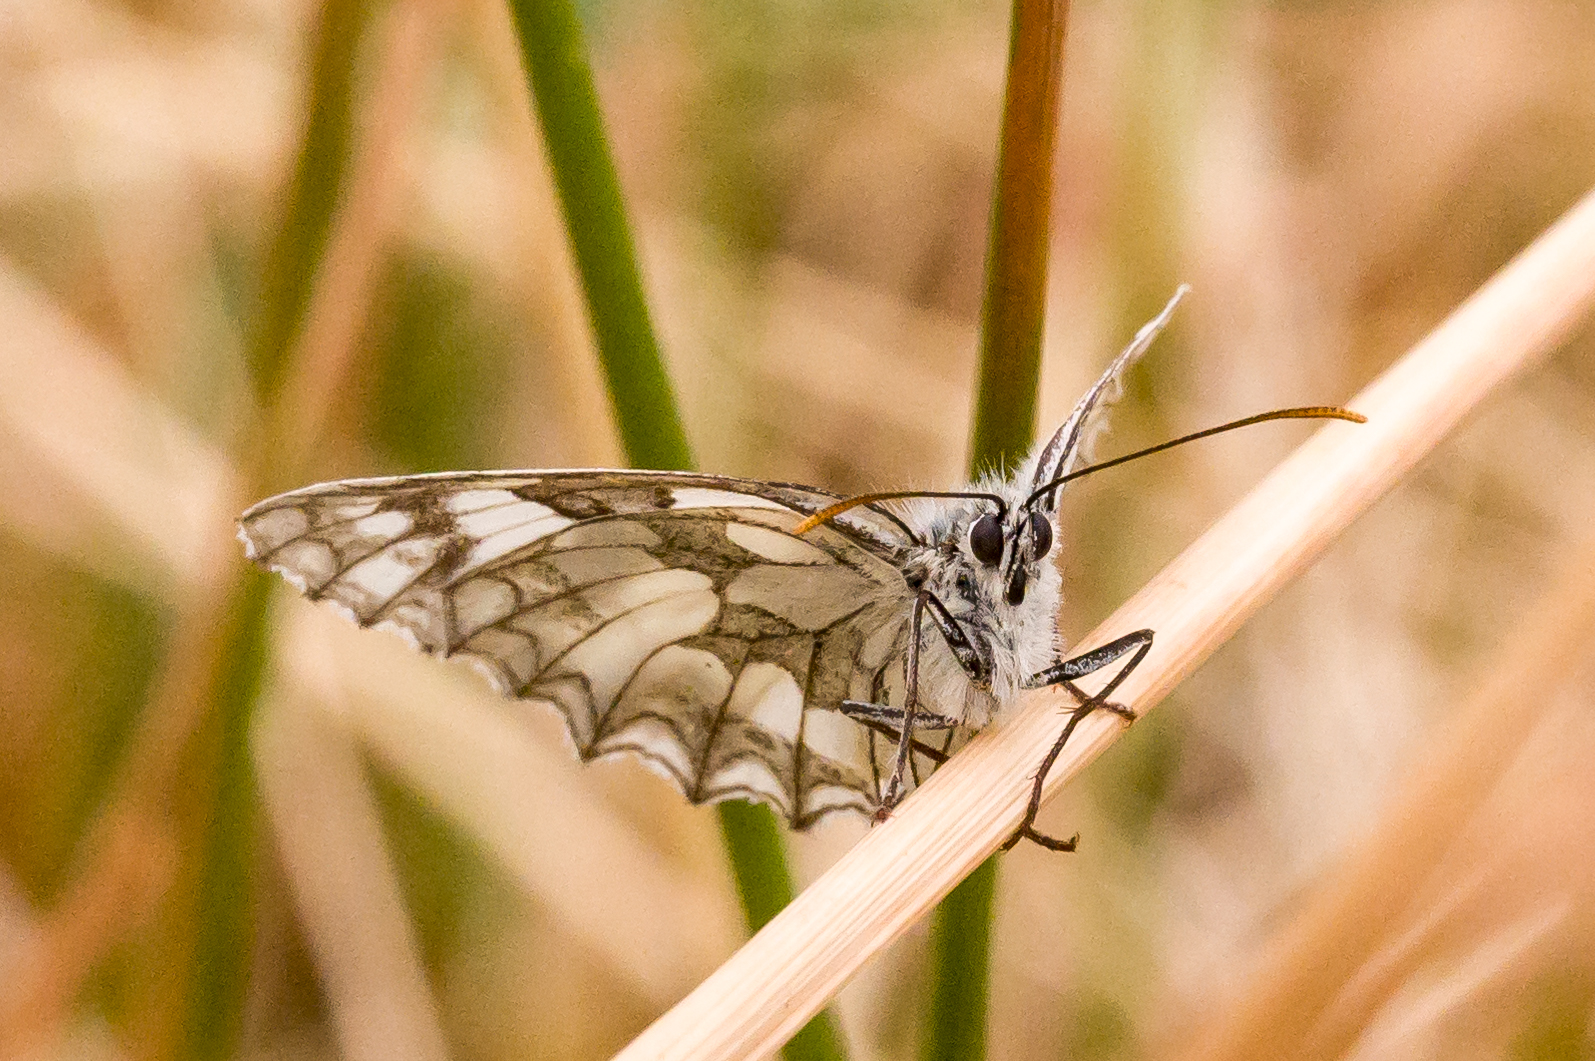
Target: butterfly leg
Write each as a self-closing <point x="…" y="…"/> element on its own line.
<point x="1137" y="644"/>
<point x="952" y="631"/>
<point x="882" y="715"/>
<point x="888" y="722"/>
<point x="905" y="740"/>
<point x="911" y="717"/>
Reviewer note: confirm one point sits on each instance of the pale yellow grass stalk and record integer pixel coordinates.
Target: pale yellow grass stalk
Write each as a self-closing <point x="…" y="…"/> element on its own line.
<point x="1297" y="1002"/>
<point x="330" y="843"/>
<point x="101" y="463"/>
<point x="1404" y="1029"/>
<point x="785" y="974"/>
<point x="92" y="459"/>
<point x="92" y="468"/>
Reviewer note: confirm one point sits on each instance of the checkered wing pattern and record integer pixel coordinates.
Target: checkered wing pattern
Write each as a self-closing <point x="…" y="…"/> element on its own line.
<point x="672" y="616"/>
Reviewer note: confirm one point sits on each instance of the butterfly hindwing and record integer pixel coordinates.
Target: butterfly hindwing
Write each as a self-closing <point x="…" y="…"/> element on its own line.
<point x="670" y="615"/>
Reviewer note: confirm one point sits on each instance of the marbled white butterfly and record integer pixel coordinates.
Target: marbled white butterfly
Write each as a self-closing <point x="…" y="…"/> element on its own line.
<point x="749" y="640"/>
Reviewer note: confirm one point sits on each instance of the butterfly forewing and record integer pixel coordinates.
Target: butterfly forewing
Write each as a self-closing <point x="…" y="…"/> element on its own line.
<point x="670" y="615"/>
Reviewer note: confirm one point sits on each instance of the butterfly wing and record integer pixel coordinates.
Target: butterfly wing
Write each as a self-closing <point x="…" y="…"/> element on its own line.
<point x="670" y="615"/>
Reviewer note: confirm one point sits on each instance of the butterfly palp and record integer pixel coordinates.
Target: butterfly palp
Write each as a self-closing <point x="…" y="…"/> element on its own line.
<point x="1016" y="587"/>
<point x="1040" y="536"/>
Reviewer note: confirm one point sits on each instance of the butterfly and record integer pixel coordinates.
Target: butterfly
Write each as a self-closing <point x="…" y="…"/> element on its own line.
<point x="747" y="639"/>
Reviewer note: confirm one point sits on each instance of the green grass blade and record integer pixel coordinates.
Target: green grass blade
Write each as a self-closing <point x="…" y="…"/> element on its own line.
<point x="1012" y="318"/>
<point x="960" y="942"/>
<point x="1013" y="312"/>
<point x="289" y="272"/>
<point x="753" y="841"/>
<point x="555" y="58"/>
<point x="210" y="1019"/>
<point x="224" y="900"/>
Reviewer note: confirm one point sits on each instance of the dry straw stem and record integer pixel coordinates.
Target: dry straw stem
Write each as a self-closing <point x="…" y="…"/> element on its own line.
<point x="785" y="974"/>
<point x="346" y="889"/>
<point x="1406" y="1027"/>
<point x="107" y="460"/>
<point x="1305" y="980"/>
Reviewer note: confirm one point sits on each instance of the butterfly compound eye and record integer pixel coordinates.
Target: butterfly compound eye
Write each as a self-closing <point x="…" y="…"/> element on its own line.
<point x="985" y="539"/>
<point x="1040" y="536"/>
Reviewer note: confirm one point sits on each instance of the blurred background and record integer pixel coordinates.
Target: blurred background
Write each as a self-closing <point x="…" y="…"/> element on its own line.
<point x="1366" y="828"/>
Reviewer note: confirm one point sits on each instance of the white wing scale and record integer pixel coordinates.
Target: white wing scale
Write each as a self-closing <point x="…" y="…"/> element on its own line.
<point x="673" y="616"/>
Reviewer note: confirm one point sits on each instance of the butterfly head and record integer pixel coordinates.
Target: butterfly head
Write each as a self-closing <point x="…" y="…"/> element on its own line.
<point x="1010" y="542"/>
<point x="989" y="562"/>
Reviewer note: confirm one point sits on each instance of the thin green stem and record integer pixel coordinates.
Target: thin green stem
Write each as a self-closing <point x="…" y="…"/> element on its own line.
<point x="1012" y="318"/>
<point x="288" y="275"/>
<point x="555" y="58"/>
<point x="764" y="883"/>
<point x="1014" y="309"/>
<point x="209" y="1021"/>
<point x="960" y="942"/>
<point x="224" y="902"/>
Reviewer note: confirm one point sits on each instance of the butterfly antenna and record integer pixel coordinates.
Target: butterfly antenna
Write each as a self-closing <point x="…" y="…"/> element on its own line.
<point x="830" y="512"/>
<point x="1308" y="412"/>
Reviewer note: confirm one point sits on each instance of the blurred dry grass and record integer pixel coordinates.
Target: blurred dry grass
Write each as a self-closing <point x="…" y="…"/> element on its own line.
<point x="811" y="183"/>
